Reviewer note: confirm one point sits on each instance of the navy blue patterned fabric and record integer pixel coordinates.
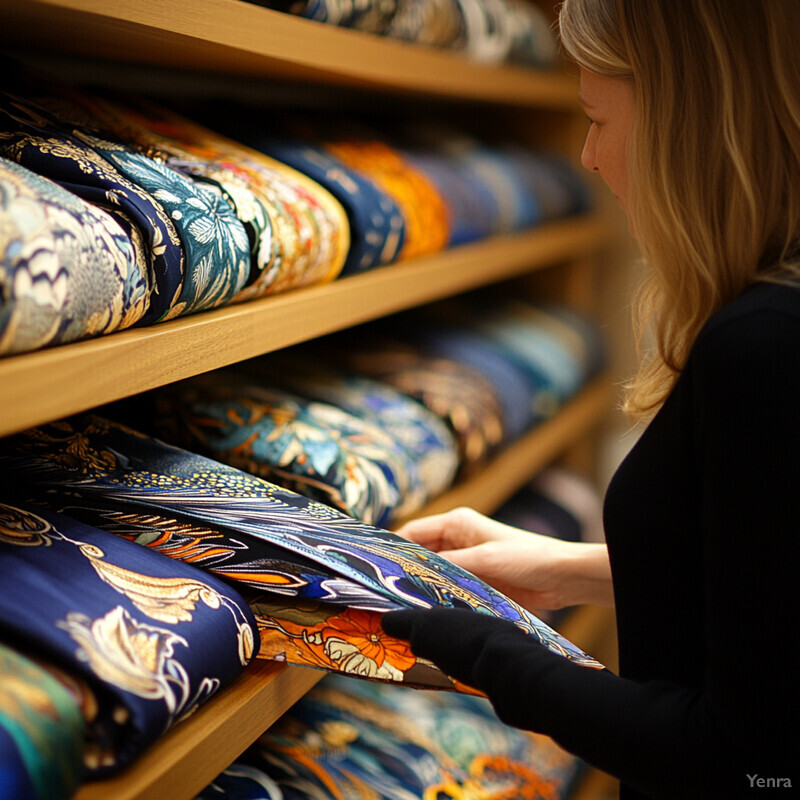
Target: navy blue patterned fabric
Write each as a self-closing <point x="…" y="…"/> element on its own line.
<point x="151" y="638"/>
<point x="377" y="227"/>
<point x="30" y="138"/>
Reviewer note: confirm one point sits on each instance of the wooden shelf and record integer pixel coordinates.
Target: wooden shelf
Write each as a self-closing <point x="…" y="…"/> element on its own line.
<point x="241" y="38"/>
<point x="191" y="755"/>
<point x="53" y="383"/>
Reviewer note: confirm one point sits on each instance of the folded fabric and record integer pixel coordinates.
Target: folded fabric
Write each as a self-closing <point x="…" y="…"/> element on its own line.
<point x="30" y="138"/>
<point x="152" y="638"/>
<point x="457" y="393"/>
<point x="352" y="739"/>
<point x="41" y="731"/>
<point x="214" y="241"/>
<point x="424" y="211"/>
<point x="298" y="232"/>
<point x="557" y="349"/>
<point x="68" y="270"/>
<point x="377" y="227"/>
<point x="140" y="487"/>
<point x="429" y="442"/>
<point x="311" y="447"/>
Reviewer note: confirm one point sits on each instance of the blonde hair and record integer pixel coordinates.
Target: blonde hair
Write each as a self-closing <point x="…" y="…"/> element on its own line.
<point x="713" y="161"/>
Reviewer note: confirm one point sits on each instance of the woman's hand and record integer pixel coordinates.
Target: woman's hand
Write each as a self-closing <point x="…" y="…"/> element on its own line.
<point x="536" y="571"/>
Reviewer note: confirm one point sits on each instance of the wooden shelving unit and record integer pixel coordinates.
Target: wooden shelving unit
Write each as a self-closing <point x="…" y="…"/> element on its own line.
<point x="234" y="38"/>
<point x="94" y="372"/>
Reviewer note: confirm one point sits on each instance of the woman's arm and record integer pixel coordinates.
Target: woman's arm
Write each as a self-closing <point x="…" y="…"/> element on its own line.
<point x="536" y="571"/>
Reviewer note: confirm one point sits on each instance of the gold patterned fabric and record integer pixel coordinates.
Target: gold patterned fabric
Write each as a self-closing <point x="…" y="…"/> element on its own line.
<point x="68" y="270"/>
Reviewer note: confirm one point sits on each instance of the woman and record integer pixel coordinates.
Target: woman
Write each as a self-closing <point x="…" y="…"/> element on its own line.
<point x="695" y="126"/>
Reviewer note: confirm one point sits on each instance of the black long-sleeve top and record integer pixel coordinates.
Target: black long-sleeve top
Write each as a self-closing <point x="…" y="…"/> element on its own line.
<point x="703" y="527"/>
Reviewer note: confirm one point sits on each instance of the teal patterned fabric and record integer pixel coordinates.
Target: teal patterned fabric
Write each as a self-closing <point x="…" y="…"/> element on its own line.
<point x="311" y="447"/>
<point x="41" y="731"/>
<point x="67" y="269"/>
<point x="29" y="138"/>
<point x="215" y="243"/>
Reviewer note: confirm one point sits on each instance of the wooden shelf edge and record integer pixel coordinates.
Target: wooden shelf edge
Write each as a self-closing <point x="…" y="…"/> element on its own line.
<point x="243" y="38"/>
<point x="521" y="461"/>
<point x="193" y="753"/>
<point x="56" y="382"/>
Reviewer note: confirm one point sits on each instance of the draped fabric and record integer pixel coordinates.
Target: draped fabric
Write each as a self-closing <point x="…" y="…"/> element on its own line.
<point x="249" y="530"/>
<point x="68" y="270"/>
<point x="41" y="731"/>
<point x="354" y="739"/>
<point x="30" y="138"/>
<point x="152" y="639"/>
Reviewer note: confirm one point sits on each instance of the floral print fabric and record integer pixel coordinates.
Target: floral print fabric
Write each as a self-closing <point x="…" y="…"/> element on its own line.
<point x="191" y="507"/>
<point x="41" y="731"/>
<point x="353" y="739"/>
<point x="68" y="270"/>
<point x="30" y="138"/>
<point x="151" y="638"/>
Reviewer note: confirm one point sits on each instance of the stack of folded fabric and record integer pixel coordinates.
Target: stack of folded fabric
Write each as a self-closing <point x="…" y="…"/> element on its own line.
<point x="379" y="421"/>
<point x="323" y="579"/>
<point x="119" y="644"/>
<point x="356" y="739"/>
<point x="493" y="31"/>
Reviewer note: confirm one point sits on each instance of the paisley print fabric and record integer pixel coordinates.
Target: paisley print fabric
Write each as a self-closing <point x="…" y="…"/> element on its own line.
<point x="152" y="638"/>
<point x="189" y="506"/>
<point x="353" y="739"/>
<point x="41" y="731"/>
<point x="29" y="137"/>
<point x="67" y="269"/>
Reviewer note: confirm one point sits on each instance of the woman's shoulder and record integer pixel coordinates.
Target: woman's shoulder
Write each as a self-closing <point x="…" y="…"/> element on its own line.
<point x="765" y="314"/>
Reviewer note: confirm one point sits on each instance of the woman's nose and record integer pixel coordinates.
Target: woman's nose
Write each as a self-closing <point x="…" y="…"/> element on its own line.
<point x="588" y="156"/>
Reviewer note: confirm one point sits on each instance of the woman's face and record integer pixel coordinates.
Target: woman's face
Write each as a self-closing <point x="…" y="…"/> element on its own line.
<point x="608" y="102"/>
